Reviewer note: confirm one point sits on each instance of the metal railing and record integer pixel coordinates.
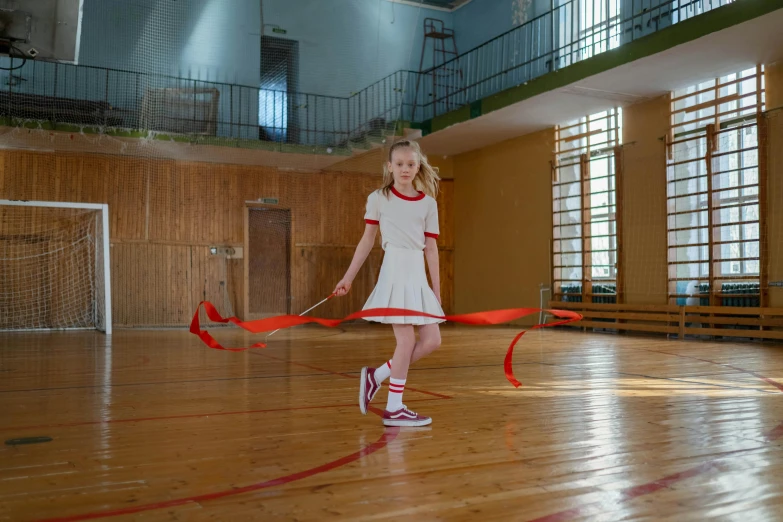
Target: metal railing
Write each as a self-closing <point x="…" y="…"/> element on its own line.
<point x="96" y="96"/>
<point x="573" y="31"/>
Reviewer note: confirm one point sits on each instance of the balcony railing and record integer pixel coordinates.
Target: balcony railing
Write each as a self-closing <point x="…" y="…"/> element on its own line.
<point x="573" y="31"/>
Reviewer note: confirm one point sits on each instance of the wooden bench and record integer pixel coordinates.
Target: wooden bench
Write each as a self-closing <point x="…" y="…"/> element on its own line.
<point x="622" y="317"/>
<point x="733" y="321"/>
<point x="715" y="321"/>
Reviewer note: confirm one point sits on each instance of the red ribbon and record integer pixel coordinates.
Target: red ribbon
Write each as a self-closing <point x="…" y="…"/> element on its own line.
<point x="287" y="321"/>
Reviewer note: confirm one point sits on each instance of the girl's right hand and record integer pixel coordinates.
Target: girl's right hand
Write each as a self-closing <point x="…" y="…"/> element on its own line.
<point x="342" y="288"/>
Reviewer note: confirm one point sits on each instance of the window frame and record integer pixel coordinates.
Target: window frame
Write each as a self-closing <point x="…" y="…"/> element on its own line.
<point x="580" y="146"/>
<point x="718" y="115"/>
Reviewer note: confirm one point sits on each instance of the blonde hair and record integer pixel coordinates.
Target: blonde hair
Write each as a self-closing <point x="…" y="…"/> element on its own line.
<point x="426" y="179"/>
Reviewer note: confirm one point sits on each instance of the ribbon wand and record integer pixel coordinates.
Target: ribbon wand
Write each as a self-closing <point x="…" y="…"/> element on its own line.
<point x="303" y="313"/>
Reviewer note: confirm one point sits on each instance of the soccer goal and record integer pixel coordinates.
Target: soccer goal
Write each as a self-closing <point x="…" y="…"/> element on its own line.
<point x="54" y="266"/>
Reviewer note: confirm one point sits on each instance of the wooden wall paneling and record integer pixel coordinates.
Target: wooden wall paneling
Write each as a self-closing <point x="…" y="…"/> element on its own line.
<point x="344" y="198"/>
<point x="125" y="190"/>
<point x="209" y="281"/>
<point x="162" y="219"/>
<point x="198" y="217"/>
<point x="177" y="283"/>
<point x="19" y="174"/>
<point x="303" y="194"/>
<point x="164" y="214"/>
<point x="198" y="191"/>
<point x="236" y="285"/>
<point x="245" y="261"/>
<point x="66" y="174"/>
<point x="198" y="284"/>
<point x="151" y="284"/>
<point x="233" y="209"/>
<point x="122" y="274"/>
<point x="41" y="188"/>
<point x="309" y="284"/>
<point x="446" y="214"/>
<point x="194" y="214"/>
<point x="4" y="181"/>
<point x="223" y="221"/>
<point x="72" y="179"/>
<point x="302" y="278"/>
<point x="447" y="280"/>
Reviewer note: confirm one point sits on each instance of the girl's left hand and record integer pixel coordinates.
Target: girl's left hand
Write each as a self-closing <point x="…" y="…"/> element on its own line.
<point x="437" y="296"/>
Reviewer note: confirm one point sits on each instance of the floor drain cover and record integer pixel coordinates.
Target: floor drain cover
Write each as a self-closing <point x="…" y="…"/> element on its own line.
<point x="27" y="440"/>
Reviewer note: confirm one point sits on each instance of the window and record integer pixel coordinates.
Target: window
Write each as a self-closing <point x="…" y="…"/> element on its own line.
<point x="585" y="225"/>
<point x="686" y="9"/>
<point x="713" y="189"/>
<point x="586" y="28"/>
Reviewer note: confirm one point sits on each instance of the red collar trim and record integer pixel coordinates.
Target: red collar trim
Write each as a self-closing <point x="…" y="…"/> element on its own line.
<point x="407" y="198"/>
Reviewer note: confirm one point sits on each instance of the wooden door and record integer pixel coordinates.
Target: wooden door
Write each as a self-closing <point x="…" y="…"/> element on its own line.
<point x="268" y="267"/>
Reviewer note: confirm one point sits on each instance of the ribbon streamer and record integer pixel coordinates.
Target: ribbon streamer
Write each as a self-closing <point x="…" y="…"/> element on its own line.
<point x="280" y="322"/>
<point x="305" y="312"/>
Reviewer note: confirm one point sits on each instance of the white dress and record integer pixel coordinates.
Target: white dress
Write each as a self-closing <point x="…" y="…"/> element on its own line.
<point x="404" y="222"/>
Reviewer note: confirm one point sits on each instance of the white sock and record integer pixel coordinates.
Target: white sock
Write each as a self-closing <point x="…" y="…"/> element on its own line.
<point x="383" y="372"/>
<point x="396" y="387"/>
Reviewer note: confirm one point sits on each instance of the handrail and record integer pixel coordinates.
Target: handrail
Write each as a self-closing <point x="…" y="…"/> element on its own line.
<point x="546" y="43"/>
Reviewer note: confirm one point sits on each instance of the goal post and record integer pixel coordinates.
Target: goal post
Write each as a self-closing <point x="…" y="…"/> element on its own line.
<point x="54" y="266"/>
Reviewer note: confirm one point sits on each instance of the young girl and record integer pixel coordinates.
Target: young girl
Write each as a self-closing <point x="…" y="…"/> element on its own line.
<point x="406" y="212"/>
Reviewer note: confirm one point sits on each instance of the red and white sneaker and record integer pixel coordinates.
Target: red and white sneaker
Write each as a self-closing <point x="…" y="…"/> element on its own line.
<point x="404" y="417"/>
<point x="368" y="387"/>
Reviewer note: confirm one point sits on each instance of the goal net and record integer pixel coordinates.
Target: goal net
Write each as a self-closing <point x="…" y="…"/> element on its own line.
<point x="54" y="266"/>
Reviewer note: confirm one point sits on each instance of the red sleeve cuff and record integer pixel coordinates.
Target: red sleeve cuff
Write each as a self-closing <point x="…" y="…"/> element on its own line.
<point x="430" y="234"/>
<point x="372" y="222"/>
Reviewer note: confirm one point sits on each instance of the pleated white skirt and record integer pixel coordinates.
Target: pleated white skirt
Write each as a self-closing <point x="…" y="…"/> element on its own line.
<point x="403" y="284"/>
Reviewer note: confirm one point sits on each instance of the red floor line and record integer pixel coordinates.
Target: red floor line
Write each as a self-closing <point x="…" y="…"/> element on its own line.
<point x="775" y="434"/>
<point x="407" y="388"/>
<point x="631" y="493"/>
<point x="189" y="416"/>
<point x="348" y="376"/>
<point x="388" y="436"/>
<point x="773" y="382"/>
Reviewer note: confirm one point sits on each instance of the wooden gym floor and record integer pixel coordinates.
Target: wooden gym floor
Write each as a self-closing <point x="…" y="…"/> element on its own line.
<point x="156" y="426"/>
